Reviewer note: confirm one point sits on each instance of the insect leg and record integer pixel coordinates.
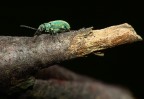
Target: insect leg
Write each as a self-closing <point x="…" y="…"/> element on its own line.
<point x="52" y="36"/>
<point x="57" y="36"/>
<point x="37" y="33"/>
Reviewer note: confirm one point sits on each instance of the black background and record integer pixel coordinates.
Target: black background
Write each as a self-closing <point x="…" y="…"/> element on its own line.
<point x="121" y="65"/>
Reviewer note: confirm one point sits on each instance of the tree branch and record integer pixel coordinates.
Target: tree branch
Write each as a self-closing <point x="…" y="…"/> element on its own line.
<point x="21" y="57"/>
<point x="61" y="83"/>
<point x="60" y="73"/>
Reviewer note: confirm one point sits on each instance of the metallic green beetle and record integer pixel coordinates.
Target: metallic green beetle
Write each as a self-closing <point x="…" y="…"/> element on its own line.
<point x="52" y="27"/>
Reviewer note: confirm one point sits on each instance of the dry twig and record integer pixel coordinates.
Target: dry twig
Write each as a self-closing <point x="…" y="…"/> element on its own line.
<point x="20" y="57"/>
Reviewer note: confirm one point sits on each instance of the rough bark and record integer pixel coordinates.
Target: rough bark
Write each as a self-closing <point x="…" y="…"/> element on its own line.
<point x="21" y="57"/>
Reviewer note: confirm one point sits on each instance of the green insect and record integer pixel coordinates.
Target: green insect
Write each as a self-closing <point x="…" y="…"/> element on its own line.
<point x="52" y="27"/>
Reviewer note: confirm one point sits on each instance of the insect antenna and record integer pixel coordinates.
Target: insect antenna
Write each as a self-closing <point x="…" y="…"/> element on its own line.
<point x="28" y="27"/>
